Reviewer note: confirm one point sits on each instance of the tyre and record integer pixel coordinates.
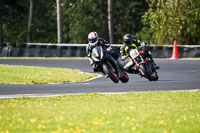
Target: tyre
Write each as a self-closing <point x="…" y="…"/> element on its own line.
<point x="125" y="77"/>
<point x="108" y="69"/>
<point x="155" y="77"/>
<point x="145" y="72"/>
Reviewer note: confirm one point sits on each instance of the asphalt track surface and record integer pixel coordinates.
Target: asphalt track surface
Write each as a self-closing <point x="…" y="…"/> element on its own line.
<point x="174" y="75"/>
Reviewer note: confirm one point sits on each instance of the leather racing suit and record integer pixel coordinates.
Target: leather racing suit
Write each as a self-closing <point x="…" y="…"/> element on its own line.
<point x="124" y="52"/>
<point x="105" y="45"/>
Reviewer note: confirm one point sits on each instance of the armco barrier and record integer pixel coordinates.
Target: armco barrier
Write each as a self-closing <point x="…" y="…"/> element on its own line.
<point x="78" y="50"/>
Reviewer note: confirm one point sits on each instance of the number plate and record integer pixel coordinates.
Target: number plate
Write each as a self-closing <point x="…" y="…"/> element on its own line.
<point x="134" y="53"/>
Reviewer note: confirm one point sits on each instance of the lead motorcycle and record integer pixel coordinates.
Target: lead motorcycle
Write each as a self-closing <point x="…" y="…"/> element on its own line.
<point x="143" y="65"/>
<point x="98" y="55"/>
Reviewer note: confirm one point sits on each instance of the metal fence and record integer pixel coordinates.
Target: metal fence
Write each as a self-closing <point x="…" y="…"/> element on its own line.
<point x="79" y="50"/>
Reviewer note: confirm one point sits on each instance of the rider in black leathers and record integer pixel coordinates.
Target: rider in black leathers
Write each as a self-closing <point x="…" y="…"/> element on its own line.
<point x="129" y="44"/>
<point x="94" y="40"/>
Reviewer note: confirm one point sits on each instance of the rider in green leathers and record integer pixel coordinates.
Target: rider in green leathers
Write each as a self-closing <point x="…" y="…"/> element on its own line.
<point x="129" y="44"/>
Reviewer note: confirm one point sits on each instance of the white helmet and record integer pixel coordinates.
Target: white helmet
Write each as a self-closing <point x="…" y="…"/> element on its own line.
<point x="93" y="38"/>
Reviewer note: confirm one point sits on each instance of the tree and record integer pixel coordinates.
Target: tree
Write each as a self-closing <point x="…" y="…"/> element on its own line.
<point x="59" y="21"/>
<point x="29" y="34"/>
<point x="1" y="29"/>
<point x="110" y="24"/>
<point x="169" y="20"/>
<point x="84" y="16"/>
<point x="5" y="6"/>
<point x="79" y="17"/>
<point x="13" y="21"/>
<point x="127" y="17"/>
<point x="45" y="22"/>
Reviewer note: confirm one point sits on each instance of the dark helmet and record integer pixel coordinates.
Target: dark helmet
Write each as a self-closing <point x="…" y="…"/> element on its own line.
<point x="127" y="39"/>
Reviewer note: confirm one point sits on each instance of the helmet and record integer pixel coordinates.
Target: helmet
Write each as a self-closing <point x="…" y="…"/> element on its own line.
<point x="93" y="38"/>
<point x="127" y="39"/>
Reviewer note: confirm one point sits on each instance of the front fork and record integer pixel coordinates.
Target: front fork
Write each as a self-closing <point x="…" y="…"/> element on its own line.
<point x="139" y="62"/>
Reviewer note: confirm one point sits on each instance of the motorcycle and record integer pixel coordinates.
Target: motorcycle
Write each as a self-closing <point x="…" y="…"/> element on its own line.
<point x="98" y="55"/>
<point x="143" y="65"/>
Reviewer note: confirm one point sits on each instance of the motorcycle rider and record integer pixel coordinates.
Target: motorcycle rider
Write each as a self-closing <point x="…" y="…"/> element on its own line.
<point x="129" y="44"/>
<point x="94" y="40"/>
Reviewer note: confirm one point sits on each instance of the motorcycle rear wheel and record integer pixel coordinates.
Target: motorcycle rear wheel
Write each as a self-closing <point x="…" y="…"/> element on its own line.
<point x="155" y="77"/>
<point x="145" y="72"/>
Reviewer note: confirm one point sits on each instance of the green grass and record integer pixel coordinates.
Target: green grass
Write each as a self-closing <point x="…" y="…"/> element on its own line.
<point x="135" y="112"/>
<point x="11" y="74"/>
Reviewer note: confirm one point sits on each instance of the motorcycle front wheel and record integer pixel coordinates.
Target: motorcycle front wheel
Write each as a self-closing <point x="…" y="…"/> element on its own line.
<point x="108" y="69"/>
<point x="124" y="78"/>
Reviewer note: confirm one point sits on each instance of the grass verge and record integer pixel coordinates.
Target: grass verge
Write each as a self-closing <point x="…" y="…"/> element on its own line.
<point x="134" y="112"/>
<point x="11" y="74"/>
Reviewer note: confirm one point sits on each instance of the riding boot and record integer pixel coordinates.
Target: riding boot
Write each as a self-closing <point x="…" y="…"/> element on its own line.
<point x="132" y="71"/>
<point x="95" y="68"/>
<point x="155" y="66"/>
<point x="129" y="67"/>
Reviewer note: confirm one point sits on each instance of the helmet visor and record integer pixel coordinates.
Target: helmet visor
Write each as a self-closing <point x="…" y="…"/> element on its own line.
<point x="92" y="40"/>
<point x="127" y="42"/>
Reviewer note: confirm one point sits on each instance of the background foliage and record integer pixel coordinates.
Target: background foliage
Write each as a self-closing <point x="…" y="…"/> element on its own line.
<point x="174" y="19"/>
<point x="154" y="21"/>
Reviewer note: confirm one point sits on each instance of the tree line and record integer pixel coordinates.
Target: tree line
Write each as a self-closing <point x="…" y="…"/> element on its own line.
<point x="153" y="21"/>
